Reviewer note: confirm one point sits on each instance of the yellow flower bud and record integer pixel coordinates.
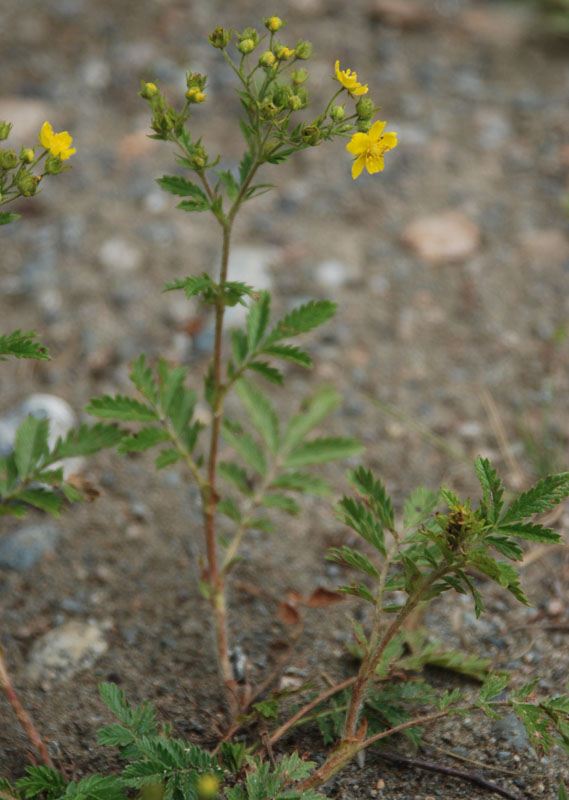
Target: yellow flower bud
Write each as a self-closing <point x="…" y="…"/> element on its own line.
<point x="219" y="38"/>
<point x="295" y="102"/>
<point x="303" y="50"/>
<point x="282" y="52"/>
<point x="207" y="787"/>
<point x="299" y="76"/>
<point x="148" y="90"/>
<point x="246" y="46"/>
<point x="267" y="59"/>
<point x="27" y="155"/>
<point x="337" y="113"/>
<point x="194" y="95"/>
<point x="273" y="24"/>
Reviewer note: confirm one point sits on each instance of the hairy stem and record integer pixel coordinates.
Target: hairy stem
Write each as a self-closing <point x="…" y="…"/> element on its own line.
<point x="25" y="721"/>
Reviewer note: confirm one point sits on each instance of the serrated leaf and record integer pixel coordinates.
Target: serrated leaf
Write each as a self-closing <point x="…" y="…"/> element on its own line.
<point x="245" y="165"/>
<point x="167" y="458"/>
<point x="240" y="346"/>
<point x="321" y="451"/>
<point x="114" y="736"/>
<point x="506" y="546"/>
<point x="247" y="448"/>
<point x="492" y="490"/>
<point x="193" y="285"/>
<point x="96" y="787"/>
<point x="258" y="319"/>
<point x="120" y="407"/>
<point x="22" y="345"/>
<point x="177" y="185"/>
<point x="363" y="482"/>
<point x="39" y="780"/>
<point x="87" y="440"/>
<point x="301" y="320"/>
<point x="360" y="591"/>
<point x="141" y="376"/>
<point x="493" y="686"/>
<point x="228" y="507"/>
<point x="276" y="500"/>
<point x="6" y="217"/>
<point x="529" y="531"/>
<point x="45" y="499"/>
<point x="236" y="475"/>
<point x="261" y="413"/>
<point x="301" y="482"/>
<point x="31" y="445"/>
<point x="290" y="353"/>
<point x="313" y="410"/>
<point x="361" y="520"/>
<point x="419" y="506"/>
<point x="272" y="374"/>
<point x="143" y="439"/>
<point x="562" y="792"/>
<point x="502" y="573"/>
<point x="354" y="559"/>
<point x="546" y="494"/>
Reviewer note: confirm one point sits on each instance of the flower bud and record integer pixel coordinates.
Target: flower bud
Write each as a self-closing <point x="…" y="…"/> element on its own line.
<point x="283" y="52"/>
<point x="303" y="50"/>
<point x="148" y="90"/>
<point x="27" y="183"/>
<point x="267" y="59"/>
<point x="246" y="46"/>
<point x="198" y="157"/>
<point x="311" y="134"/>
<point x="302" y="92"/>
<point x="27" y="155"/>
<point x="219" y="38"/>
<point x="5" y="128"/>
<point x="268" y="110"/>
<point x="195" y="79"/>
<point x="299" y="76"/>
<point x="281" y="96"/>
<point x="8" y="159"/>
<point x="365" y="108"/>
<point x="337" y="113"/>
<point x="364" y="125"/>
<point x="273" y="24"/>
<point x="53" y="165"/>
<point x="294" y="102"/>
<point x="194" y="95"/>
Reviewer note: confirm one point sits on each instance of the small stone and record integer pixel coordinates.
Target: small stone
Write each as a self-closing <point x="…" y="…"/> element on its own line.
<point x="27" y="116"/>
<point x="250" y="265"/>
<point x="443" y="238"/>
<point x="23" y="548"/>
<point x="119" y="255"/>
<point x="400" y="13"/>
<point x="63" y="651"/>
<point x="332" y="273"/>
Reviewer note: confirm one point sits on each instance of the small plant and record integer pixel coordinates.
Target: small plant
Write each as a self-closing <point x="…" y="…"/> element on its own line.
<point x="402" y="566"/>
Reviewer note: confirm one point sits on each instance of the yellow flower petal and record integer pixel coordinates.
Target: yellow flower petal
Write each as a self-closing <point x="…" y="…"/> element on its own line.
<point x="46" y="135"/>
<point x="359" y="143"/>
<point x="358" y="166"/>
<point x="389" y="140"/>
<point x="376" y="130"/>
<point x="374" y="163"/>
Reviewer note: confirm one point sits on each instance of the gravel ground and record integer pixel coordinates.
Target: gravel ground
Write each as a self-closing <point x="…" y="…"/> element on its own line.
<point x="450" y="271"/>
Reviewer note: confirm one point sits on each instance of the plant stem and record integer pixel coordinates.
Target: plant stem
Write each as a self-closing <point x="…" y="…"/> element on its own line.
<point x="25" y="721"/>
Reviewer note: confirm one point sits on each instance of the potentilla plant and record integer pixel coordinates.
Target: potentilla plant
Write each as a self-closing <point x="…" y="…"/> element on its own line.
<point x="405" y="560"/>
<point x="272" y="82"/>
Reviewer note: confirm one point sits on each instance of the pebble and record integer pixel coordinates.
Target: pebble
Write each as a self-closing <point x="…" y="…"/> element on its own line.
<point x="250" y="265"/>
<point x="64" y="651"/>
<point x="27" y="116"/>
<point x="25" y="547"/>
<point x="444" y="238"/>
<point x="332" y="273"/>
<point x="119" y="255"/>
<point x="61" y="419"/>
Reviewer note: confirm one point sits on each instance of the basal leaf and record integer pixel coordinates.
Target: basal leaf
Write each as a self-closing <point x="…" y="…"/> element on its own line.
<point x="44" y="499"/>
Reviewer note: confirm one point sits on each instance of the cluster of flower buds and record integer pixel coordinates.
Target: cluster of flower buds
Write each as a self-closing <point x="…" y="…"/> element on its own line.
<point x="195" y="87"/>
<point x="16" y="177"/>
<point x="165" y="120"/>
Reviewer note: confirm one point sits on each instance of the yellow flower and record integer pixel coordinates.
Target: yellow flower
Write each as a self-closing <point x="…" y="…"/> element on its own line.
<point x="58" y="144"/>
<point x="349" y="80"/>
<point x="207" y="787"/>
<point x="370" y="147"/>
<point x="195" y="95"/>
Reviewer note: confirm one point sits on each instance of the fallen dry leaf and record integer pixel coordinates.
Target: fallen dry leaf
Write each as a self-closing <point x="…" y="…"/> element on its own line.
<point x="323" y="597"/>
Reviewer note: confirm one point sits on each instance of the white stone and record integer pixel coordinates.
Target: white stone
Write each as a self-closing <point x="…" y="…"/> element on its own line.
<point x="27" y="116"/>
<point x="332" y="273"/>
<point x="63" y="651"/>
<point x="443" y="238"/>
<point x="119" y="255"/>
<point x="250" y="265"/>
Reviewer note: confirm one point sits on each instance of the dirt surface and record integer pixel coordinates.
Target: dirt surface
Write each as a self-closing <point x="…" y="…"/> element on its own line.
<point x="467" y="353"/>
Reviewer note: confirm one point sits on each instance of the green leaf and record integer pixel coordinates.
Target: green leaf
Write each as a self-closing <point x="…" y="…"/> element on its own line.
<point x="182" y="187"/>
<point x="361" y="520"/>
<point x="419" y="506"/>
<point x="261" y="413"/>
<point x="246" y="161"/>
<point x="22" y="345"/>
<point x="321" y="451"/>
<point x="45" y="499"/>
<point x="40" y="780"/>
<point x="269" y="709"/>
<point x="302" y="320"/>
<point x="276" y="500"/>
<point x="313" y="411"/>
<point x="240" y="346"/>
<point x="114" y="736"/>
<point x="360" y="591"/>
<point x="258" y="190"/>
<point x="546" y="494"/>
<point x="143" y="439"/>
<point x="140" y="719"/>
<point x="87" y="440"/>
<point x="354" y="559"/>
<point x="194" y="285"/>
<point x="246" y="446"/>
<point x="493" y="686"/>
<point x="31" y="445"/>
<point x="167" y="458"/>
<point x="363" y="482"/>
<point x="96" y="787"/>
<point x="226" y="177"/>
<point x="562" y="792"/>
<point x="290" y="353"/>
<point x="529" y="531"/>
<point x="506" y="546"/>
<point x="258" y="319"/>
<point x="141" y="376"/>
<point x="492" y="490"/>
<point x="228" y="507"/>
<point x="236" y="475"/>
<point x="272" y="374"/>
<point x="502" y="573"/>
<point x="301" y="482"/>
<point x="6" y="217"/>
<point x="177" y="402"/>
<point x="120" y="407"/>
